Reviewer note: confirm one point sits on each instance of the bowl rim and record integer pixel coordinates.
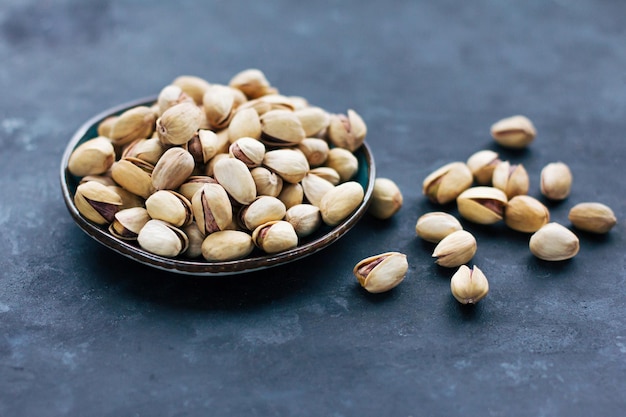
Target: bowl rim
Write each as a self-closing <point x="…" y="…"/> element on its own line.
<point x="202" y="267"/>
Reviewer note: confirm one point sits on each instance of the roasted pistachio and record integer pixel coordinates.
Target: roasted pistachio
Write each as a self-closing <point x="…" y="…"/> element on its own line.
<point x="193" y="184"/>
<point x="234" y="176"/>
<point x="196" y="238"/>
<point x="446" y="183"/>
<point x="134" y="175"/>
<point x="343" y="162"/>
<point x="227" y="245"/>
<point x="305" y="218"/>
<point x="290" y="164"/>
<point x="204" y="145"/>
<point x="281" y="128"/>
<point x="266" y="182"/>
<point x="97" y="202"/>
<point x="315" y="188"/>
<point x="340" y="202"/>
<point x="347" y="131"/>
<point x="170" y="96"/>
<point x="291" y="194"/>
<point x="592" y="217"/>
<point x="92" y="157"/>
<point x="104" y="127"/>
<point x="386" y="199"/>
<point x="262" y="210"/>
<point x="514" y="132"/>
<point x="219" y="102"/>
<point x="252" y="82"/>
<point x="212" y="209"/>
<point x="172" y="169"/>
<point x="556" y="181"/>
<point x="525" y="214"/>
<point x="436" y="225"/>
<point x="209" y="168"/>
<point x="193" y="86"/>
<point x="128" y="222"/>
<point x="129" y="199"/>
<point x="149" y="150"/>
<point x="554" y="242"/>
<point x="314" y="120"/>
<point x="382" y="272"/>
<point x="170" y="206"/>
<point x="178" y="124"/>
<point x="469" y="286"/>
<point x="482" y="164"/>
<point x="248" y="150"/>
<point x="245" y="123"/>
<point x="275" y="236"/>
<point x="315" y="150"/>
<point x="135" y="123"/>
<point x="482" y="205"/>
<point x="511" y="178"/>
<point x="163" y="239"/>
<point x="328" y="173"/>
<point x="455" y="249"/>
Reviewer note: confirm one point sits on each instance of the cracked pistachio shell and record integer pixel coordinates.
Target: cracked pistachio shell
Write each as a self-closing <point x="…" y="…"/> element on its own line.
<point x="281" y="128"/>
<point x="382" y="272"/>
<point x="514" y="132"/>
<point x="338" y="203"/>
<point x="556" y="181"/>
<point x="135" y="123"/>
<point x="250" y="151"/>
<point x="212" y="209"/>
<point x="315" y="150"/>
<point x="290" y="164"/>
<point x="195" y="236"/>
<point x="343" y="162"/>
<point x="97" y="202"/>
<point x="170" y="207"/>
<point x="163" y="239"/>
<point x="554" y="242"/>
<point x="262" y="210"/>
<point x="315" y="188"/>
<point x="455" y="249"/>
<point x="314" y="120"/>
<point x="244" y="124"/>
<point x="482" y="205"/>
<point x="305" y="219"/>
<point x="193" y="184"/>
<point x="275" y="236"/>
<point x="170" y="96"/>
<point x="446" y="183"/>
<point x="291" y="194"/>
<point x="172" y="169"/>
<point x="592" y="217"/>
<point x="134" y="175"/>
<point x="434" y="226"/>
<point x="178" y="124"/>
<point x="234" y="176"/>
<point x="525" y="214"/>
<point x="511" y="178"/>
<point x="193" y="86"/>
<point x="482" y="165"/>
<point x="252" y="82"/>
<point x="329" y="174"/>
<point x="149" y="150"/>
<point x="227" y="245"/>
<point x="219" y="104"/>
<point x="386" y="199"/>
<point x="92" y="157"/>
<point x="347" y="131"/>
<point x="266" y="182"/>
<point x="204" y="145"/>
<point x="128" y="222"/>
<point x="469" y="286"/>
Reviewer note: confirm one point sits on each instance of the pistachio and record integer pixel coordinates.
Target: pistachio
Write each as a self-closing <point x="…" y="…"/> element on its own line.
<point x="104" y="179"/>
<point x="315" y="150"/>
<point x="172" y="169"/>
<point x="193" y="86"/>
<point x="104" y="127"/>
<point x="511" y="178"/>
<point x="211" y="208"/>
<point x="436" y="225"/>
<point x="170" y="207"/>
<point x="343" y="162"/>
<point x="381" y="273"/>
<point x="556" y="181"/>
<point x="592" y="217"/>
<point x="266" y="182"/>
<point x="196" y="238"/>
<point x="338" y="203"/>
<point x="525" y="214"/>
<point x="204" y="145"/>
<point x="134" y="175"/>
<point x="219" y="104"/>
<point x="92" y="157"/>
<point x="262" y="210"/>
<point x="447" y="183"/>
<point x="163" y="239"/>
<point x="281" y="128"/>
<point x="482" y="205"/>
<point x="248" y="150"/>
<point x="347" y="131"/>
<point x="234" y="176"/>
<point x="128" y="222"/>
<point x="315" y="188"/>
<point x="314" y="120"/>
<point x="482" y="165"/>
<point x="290" y="164"/>
<point x="129" y="199"/>
<point x="554" y="242"/>
<point x="469" y="286"/>
<point x="305" y="218"/>
<point x="209" y="168"/>
<point x="386" y="199"/>
<point x="135" y="123"/>
<point x="455" y="249"/>
<point x="329" y="174"/>
<point x="96" y="202"/>
<point x="227" y="245"/>
<point x="514" y="132"/>
<point x="178" y="124"/>
<point x="275" y="236"/>
<point x="170" y="96"/>
<point x="245" y="123"/>
<point x="149" y="150"/>
<point x="291" y="194"/>
<point x="193" y="184"/>
<point x="252" y="82"/>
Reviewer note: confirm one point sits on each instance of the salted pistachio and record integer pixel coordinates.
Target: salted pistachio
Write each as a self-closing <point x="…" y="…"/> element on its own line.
<point x="244" y="124"/>
<point x="511" y="178"/>
<point x="434" y="226"/>
<point x="227" y="245"/>
<point x="219" y="104"/>
<point x="305" y="218"/>
<point x="328" y="173"/>
<point x="514" y="132"/>
<point x="104" y="127"/>
<point x="252" y="82"/>
<point x="347" y="131"/>
<point x="128" y="222"/>
<point x="211" y="208"/>
<point x="291" y="194"/>
<point x="178" y="124"/>
<point x="315" y="188"/>
<point x="281" y="128"/>
<point x="290" y="164"/>
<point x="250" y="151"/>
<point x="135" y="123"/>
<point x="170" y="96"/>
<point x="92" y="157"/>
<point x="446" y="183"/>
<point x="275" y="236"/>
<point x="169" y="206"/>
<point x="209" y="167"/>
<point x="262" y="210"/>
<point x="172" y="169"/>
<point x="554" y="242"/>
<point x="134" y="175"/>
<point x="344" y="162"/>
<point x="525" y="214"/>
<point x="149" y="150"/>
<point x="128" y="199"/>
<point x="382" y="272"/>
<point x="193" y="86"/>
<point x="234" y="176"/>
<point x="266" y="181"/>
<point x="163" y="239"/>
<point x="314" y="120"/>
<point x="482" y="165"/>
<point x="196" y="238"/>
<point x="556" y="181"/>
<point x="456" y="249"/>
<point x="469" y="286"/>
<point x="338" y="203"/>
<point x="193" y="184"/>
<point x="386" y="199"/>
<point x="315" y="150"/>
<point x="203" y="146"/>
<point x="97" y="202"/>
<point x="592" y="217"/>
<point x="482" y="205"/>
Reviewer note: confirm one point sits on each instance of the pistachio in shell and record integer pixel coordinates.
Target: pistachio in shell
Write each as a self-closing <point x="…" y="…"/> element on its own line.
<point x="386" y="199"/>
<point x="93" y="157"/>
<point x="525" y="214"/>
<point x="482" y="204"/>
<point x="275" y="236"/>
<point x="234" y="176"/>
<point x="97" y="202"/>
<point x="135" y="123"/>
<point x="172" y="169"/>
<point x="434" y="226"/>
<point x="212" y="209"/>
<point x="305" y="219"/>
<point x="163" y="239"/>
<point x="592" y="217"/>
<point x="281" y="128"/>
<point x="178" y="124"/>
<point x="347" y="130"/>
<point x="381" y="273"/>
<point x="128" y="222"/>
<point x="338" y="203"/>
<point x="447" y="182"/>
<point x="227" y="245"/>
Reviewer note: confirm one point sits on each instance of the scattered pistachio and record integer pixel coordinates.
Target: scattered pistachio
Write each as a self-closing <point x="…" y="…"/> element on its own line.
<point x="92" y="157"/>
<point x="554" y="242"/>
<point x="556" y="181"/>
<point x="227" y="245"/>
<point x="382" y="272"/>
<point x="525" y="214"/>
<point x="514" y="132"/>
<point x="386" y="199"/>
<point x="482" y="205"/>
<point x="436" y="225"/>
<point x="446" y="183"/>
<point x="469" y="286"/>
<point x="592" y="217"/>
<point x="482" y="165"/>
<point x="511" y="178"/>
<point x="455" y="249"/>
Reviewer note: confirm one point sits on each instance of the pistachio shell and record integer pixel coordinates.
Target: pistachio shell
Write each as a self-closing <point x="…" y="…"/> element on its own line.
<point x="329" y="174"/>
<point x="248" y="150"/>
<point x="455" y="249"/>
<point x="212" y="209"/>
<point x="315" y="188"/>
<point x="554" y="242"/>
<point x="291" y="194"/>
<point x="386" y="199"/>
<point x="204" y="145"/>
<point x="219" y="104"/>
<point x="172" y="169"/>
<point x="128" y="222"/>
<point x="149" y="150"/>
<point x="92" y="157"/>
<point x="281" y="128"/>
<point x="129" y="199"/>
<point x="135" y="123"/>
<point x="514" y="132"/>
<point x="266" y="182"/>
<point x="511" y="178"/>
<point x="314" y="120"/>
<point x="447" y="183"/>
<point x="193" y="184"/>
<point x="209" y="169"/>
<point x="163" y="239"/>
<point x="134" y="175"/>
<point x="482" y="205"/>
<point x="245" y="123"/>
<point x="178" y="124"/>
<point x="262" y="210"/>
<point x="104" y="127"/>
<point x="305" y="218"/>
<point x="170" y="207"/>
<point x="592" y="217"/>
<point x="382" y="272"/>
<point x="482" y="165"/>
<point x="347" y="131"/>
<point x="275" y="236"/>
<point x="343" y="162"/>
<point x="436" y="225"/>
<point x="525" y="214"/>
<point x="338" y="203"/>
<point x="252" y="82"/>
<point x="170" y="96"/>
<point x="556" y="181"/>
<point x="234" y="176"/>
<point x="96" y="202"/>
<point x="196" y="238"/>
<point x="315" y="150"/>
<point x="469" y="286"/>
<point x="193" y="86"/>
<point x="290" y="164"/>
<point x="227" y="245"/>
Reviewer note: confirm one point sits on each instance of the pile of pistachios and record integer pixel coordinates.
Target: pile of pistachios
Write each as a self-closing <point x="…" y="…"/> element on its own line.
<point x="217" y="170"/>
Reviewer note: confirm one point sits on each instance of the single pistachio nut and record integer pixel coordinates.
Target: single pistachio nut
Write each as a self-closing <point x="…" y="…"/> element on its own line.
<point x="314" y="120"/>
<point x="275" y="236"/>
<point x="329" y="174"/>
<point x="554" y="242"/>
<point x="149" y="150"/>
<point x="104" y="179"/>
<point x="227" y="245"/>
<point x="455" y="249"/>
<point x="129" y="199"/>
<point x="511" y="178"/>
<point x="262" y="210"/>
<point x="482" y="205"/>
<point x="482" y="165"/>
<point x="196" y="238"/>
<point x="178" y="124"/>
<point x="250" y="151"/>
<point x="170" y="206"/>
<point x="97" y="202"/>
<point x="281" y="128"/>
<point x="315" y="150"/>
<point x="244" y="124"/>
<point x="514" y="132"/>
<point x="209" y="167"/>
<point x="170" y="96"/>
<point x="469" y="286"/>
<point x="556" y="181"/>
<point x="219" y="102"/>
<point x="290" y="164"/>
<point x="172" y="169"/>
<point x="128" y="222"/>
<point x="92" y="157"/>
<point x="338" y="203"/>
<point x="193" y="86"/>
<point x="163" y="239"/>
<point x="446" y="183"/>
<point x="134" y="175"/>
<point x="592" y="217"/>
<point x="135" y="123"/>
<point x="204" y="145"/>
<point x="104" y="127"/>
<point x="193" y="184"/>
<point x="212" y="209"/>
<point x="347" y="131"/>
<point x="315" y="188"/>
<point x="266" y="181"/>
<point x="252" y="82"/>
<point x="382" y="272"/>
<point x="305" y="219"/>
<point x="234" y="176"/>
<point x="434" y="226"/>
<point x="291" y="194"/>
<point x="525" y="214"/>
<point x="343" y="162"/>
<point x="386" y="199"/>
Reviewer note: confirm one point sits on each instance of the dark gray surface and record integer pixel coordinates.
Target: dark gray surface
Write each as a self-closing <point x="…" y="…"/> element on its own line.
<point x="86" y="332"/>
